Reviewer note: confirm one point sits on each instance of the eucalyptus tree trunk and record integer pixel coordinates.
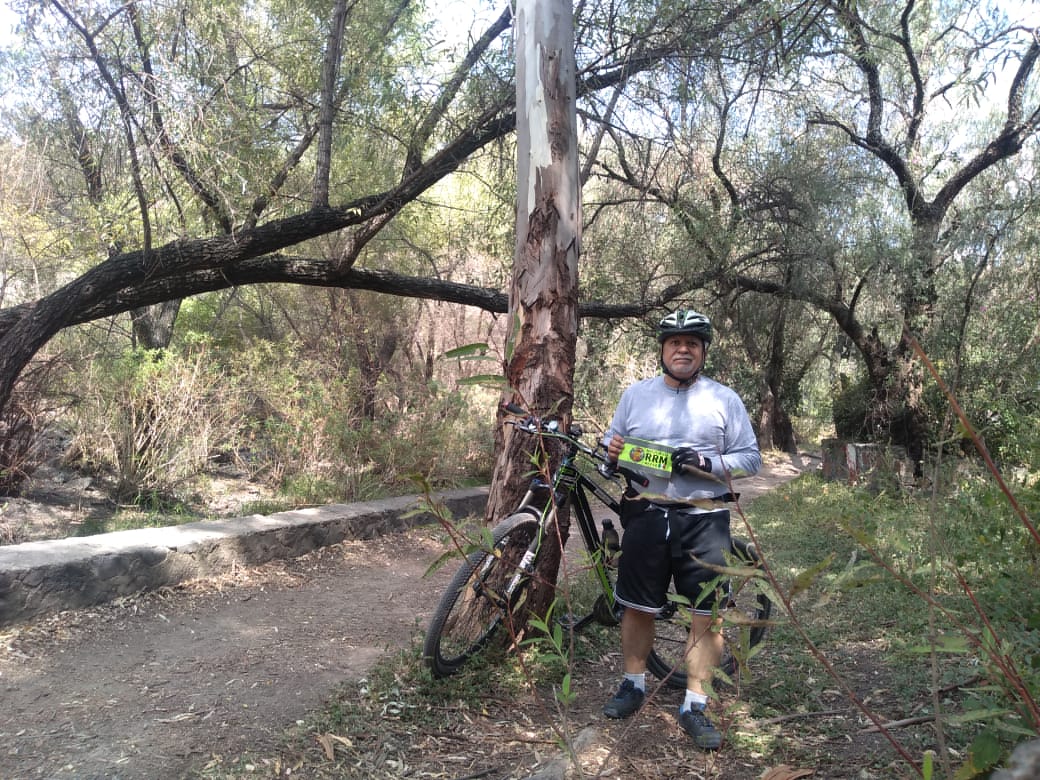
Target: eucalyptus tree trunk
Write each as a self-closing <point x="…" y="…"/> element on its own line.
<point x="543" y="294"/>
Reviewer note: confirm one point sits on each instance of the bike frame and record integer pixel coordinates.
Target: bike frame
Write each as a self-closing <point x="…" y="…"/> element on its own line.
<point x="570" y="487"/>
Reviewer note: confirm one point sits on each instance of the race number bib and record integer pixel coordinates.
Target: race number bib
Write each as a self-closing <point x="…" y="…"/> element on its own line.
<point x="649" y="458"/>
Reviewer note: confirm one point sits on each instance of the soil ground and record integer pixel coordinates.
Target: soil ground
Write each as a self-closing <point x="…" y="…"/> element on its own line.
<point x="187" y="681"/>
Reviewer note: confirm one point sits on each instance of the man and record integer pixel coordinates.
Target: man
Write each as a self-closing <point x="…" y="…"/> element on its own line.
<point x="678" y="521"/>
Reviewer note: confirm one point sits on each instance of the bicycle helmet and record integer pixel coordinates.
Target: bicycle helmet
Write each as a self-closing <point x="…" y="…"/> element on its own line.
<point x="684" y="321"/>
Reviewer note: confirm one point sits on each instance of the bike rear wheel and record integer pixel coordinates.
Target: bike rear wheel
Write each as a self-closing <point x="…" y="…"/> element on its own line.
<point x="474" y="606"/>
<point x="743" y="625"/>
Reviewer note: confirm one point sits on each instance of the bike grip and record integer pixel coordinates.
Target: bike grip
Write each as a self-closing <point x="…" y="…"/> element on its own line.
<point x="513" y="408"/>
<point x="693" y="471"/>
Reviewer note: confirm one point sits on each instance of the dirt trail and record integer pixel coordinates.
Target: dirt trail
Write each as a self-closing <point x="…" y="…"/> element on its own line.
<point x="155" y="686"/>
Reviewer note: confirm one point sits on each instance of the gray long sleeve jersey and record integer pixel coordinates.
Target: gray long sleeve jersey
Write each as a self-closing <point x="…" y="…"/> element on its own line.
<point x="707" y="416"/>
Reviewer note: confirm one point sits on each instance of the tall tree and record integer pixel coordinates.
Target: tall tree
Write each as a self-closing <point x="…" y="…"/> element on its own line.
<point x="901" y="147"/>
<point x="543" y="294"/>
<point x="858" y="222"/>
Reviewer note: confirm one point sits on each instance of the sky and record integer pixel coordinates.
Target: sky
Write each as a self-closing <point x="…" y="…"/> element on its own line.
<point x="7" y="20"/>
<point x="459" y="15"/>
<point x="456" y="16"/>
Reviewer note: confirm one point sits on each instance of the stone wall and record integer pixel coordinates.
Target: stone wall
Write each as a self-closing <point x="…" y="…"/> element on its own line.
<point x="42" y="577"/>
<point x="857" y="463"/>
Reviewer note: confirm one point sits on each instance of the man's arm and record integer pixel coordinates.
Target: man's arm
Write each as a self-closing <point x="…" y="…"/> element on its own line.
<point x="742" y="457"/>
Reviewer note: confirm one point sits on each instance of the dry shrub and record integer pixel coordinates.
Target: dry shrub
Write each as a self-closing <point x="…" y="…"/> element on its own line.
<point x="152" y="420"/>
<point x="33" y="406"/>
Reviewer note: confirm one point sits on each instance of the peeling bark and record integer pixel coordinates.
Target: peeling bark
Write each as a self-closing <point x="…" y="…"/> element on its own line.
<point x="543" y="297"/>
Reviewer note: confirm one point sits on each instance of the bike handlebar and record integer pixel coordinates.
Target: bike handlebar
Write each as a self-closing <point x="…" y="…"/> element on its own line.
<point x="551" y="428"/>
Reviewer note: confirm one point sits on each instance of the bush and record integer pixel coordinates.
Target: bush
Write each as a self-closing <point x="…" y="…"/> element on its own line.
<point x="151" y="419"/>
<point x="849" y="407"/>
<point x="946" y="580"/>
<point x="307" y="435"/>
<point x="33" y="406"/>
<point x="153" y="422"/>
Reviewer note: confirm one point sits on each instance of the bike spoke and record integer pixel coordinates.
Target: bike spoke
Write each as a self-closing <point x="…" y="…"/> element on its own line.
<point x="476" y="604"/>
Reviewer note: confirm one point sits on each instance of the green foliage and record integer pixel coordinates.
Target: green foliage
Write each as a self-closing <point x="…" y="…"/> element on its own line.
<point x="152" y="419"/>
<point x="557" y="643"/>
<point x="283" y="417"/>
<point x="307" y="435"/>
<point x="1010" y="429"/>
<point x="890" y="566"/>
<point x="982" y="530"/>
<point x="983" y="755"/>
<point x="849" y="408"/>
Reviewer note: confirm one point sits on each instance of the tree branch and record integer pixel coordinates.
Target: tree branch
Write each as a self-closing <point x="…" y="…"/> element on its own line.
<point x="329" y="74"/>
<point x="439" y="108"/>
<point x="126" y="276"/>
<point x="211" y="199"/>
<point x="318" y="272"/>
<point x="1016" y="130"/>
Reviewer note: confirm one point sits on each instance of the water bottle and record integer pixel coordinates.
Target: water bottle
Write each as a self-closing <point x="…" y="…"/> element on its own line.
<point x="611" y="542"/>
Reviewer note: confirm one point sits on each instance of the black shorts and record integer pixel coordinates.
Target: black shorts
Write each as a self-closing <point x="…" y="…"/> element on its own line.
<point x="660" y="545"/>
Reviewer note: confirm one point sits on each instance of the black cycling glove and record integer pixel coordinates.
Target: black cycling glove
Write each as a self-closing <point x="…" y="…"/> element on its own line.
<point x="688" y="456"/>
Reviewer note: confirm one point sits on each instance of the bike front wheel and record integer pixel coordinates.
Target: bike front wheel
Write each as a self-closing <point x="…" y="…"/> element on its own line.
<point x="744" y="624"/>
<point x="476" y="603"/>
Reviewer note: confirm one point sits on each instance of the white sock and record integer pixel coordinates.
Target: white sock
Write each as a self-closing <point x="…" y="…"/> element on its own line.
<point x="638" y="680"/>
<point x="694" y="701"/>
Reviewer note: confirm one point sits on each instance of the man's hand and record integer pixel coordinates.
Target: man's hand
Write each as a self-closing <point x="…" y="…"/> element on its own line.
<point x="614" y="447"/>
<point x="686" y="458"/>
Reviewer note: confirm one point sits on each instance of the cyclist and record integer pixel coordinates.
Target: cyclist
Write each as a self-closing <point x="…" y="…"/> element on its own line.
<point x="677" y="522"/>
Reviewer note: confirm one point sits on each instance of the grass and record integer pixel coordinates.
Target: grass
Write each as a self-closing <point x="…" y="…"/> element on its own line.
<point x="843" y="558"/>
<point x="859" y="564"/>
<point x="130" y="518"/>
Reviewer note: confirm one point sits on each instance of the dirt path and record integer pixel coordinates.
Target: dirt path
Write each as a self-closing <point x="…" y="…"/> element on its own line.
<point x="155" y="686"/>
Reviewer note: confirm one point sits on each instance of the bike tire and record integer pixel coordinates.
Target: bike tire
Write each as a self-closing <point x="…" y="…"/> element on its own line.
<point x="469" y="615"/>
<point x="742" y="632"/>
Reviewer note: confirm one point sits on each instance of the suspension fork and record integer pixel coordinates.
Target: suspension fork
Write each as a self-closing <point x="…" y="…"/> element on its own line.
<point x="525" y="568"/>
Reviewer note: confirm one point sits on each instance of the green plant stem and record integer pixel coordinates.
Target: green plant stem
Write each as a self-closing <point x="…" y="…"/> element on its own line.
<point x="933" y="659"/>
<point x="1003" y="661"/>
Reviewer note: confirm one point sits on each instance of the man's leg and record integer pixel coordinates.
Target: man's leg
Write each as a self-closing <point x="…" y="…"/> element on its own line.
<point x="703" y="651"/>
<point x="637" y="639"/>
<point x="644" y="572"/>
<point x="705" y="537"/>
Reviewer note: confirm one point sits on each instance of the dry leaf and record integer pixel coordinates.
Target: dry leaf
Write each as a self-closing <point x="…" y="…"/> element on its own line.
<point x="326" y="745"/>
<point x="326" y="740"/>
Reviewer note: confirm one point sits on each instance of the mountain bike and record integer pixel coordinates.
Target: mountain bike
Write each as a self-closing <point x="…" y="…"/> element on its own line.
<point x="490" y="586"/>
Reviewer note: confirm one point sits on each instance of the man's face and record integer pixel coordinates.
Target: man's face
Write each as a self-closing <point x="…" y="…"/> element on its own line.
<point x="683" y="355"/>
